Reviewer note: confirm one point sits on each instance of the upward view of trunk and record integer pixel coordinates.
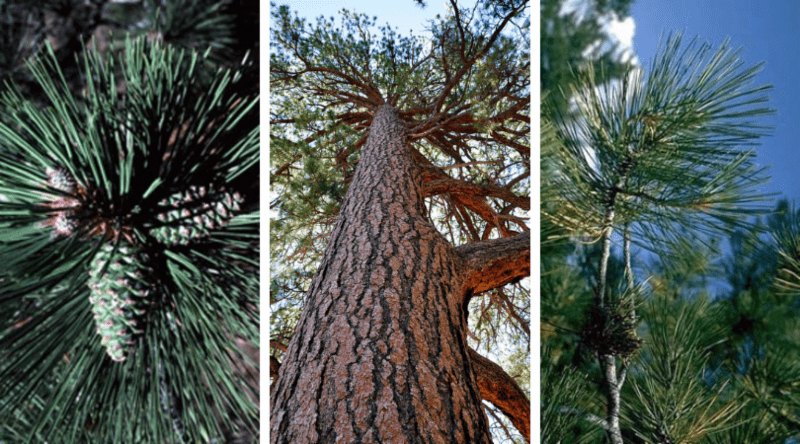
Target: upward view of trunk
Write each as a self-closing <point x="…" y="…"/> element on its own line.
<point x="380" y="353"/>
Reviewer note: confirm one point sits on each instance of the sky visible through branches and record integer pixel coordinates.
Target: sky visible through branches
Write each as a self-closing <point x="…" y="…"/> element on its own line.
<point x="766" y="34"/>
<point x="403" y="16"/>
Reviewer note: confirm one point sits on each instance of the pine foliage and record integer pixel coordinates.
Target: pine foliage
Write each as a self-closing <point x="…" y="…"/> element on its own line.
<point x="663" y="149"/>
<point x="662" y="158"/>
<point x="129" y="237"/>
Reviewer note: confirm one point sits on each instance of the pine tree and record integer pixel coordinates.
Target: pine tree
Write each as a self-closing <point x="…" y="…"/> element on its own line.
<point x="760" y="319"/>
<point x="410" y="160"/>
<point x="747" y="335"/>
<point x="653" y="160"/>
<point x="129" y="236"/>
<point x="571" y="37"/>
<point x="71" y="27"/>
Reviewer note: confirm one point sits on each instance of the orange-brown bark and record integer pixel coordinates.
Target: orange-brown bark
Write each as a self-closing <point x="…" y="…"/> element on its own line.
<point x="470" y="195"/>
<point x="503" y="391"/>
<point x="447" y="184"/>
<point x="379" y="354"/>
<point x="494" y="263"/>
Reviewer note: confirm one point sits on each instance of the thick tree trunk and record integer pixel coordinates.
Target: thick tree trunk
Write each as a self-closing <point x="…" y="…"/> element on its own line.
<point x="379" y="354"/>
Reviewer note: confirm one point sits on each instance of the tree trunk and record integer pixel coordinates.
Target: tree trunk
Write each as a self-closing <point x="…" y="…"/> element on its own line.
<point x="380" y="354"/>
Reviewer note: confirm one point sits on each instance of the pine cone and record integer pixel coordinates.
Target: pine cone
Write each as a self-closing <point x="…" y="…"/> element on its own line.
<point x="118" y="297"/>
<point x="193" y="214"/>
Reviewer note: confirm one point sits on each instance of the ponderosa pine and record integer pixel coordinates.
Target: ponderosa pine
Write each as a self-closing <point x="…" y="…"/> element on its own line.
<point x="129" y="240"/>
<point x="659" y="160"/>
<point x="380" y="350"/>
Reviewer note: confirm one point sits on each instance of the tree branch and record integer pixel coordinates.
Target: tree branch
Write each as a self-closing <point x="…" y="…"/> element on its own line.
<point x="448" y="184"/>
<point x="494" y="263"/>
<point x="479" y="206"/>
<point x="274" y="366"/>
<point x="511" y="309"/>
<point x="452" y="82"/>
<point x="502" y="390"/>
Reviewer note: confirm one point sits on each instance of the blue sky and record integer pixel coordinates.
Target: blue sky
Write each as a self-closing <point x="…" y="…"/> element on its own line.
<point x="766" y="32"/>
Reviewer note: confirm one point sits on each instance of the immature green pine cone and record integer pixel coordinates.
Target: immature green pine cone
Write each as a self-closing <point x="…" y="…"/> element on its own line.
<point x="118" y="297"/>
<point x="193" y="213"/>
